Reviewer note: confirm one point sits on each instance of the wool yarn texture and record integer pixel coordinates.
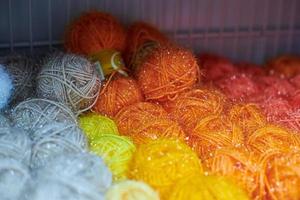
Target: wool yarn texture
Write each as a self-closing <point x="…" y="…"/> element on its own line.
<point x="95" y="125"/>
<point x="69" y="79"/>
<point x="4" y="122"/>
<point x="131" y="190"/>
<point x="55" y="139"/>
<point x="142" y="38"/>
<point x="6" y="85"/>
<point x="94" y="31"/>
<point x="199" y="187"/>
<point x="146" y="121"/>
<point x="83" y="167"/>
<point x="167" y="72"/>
<point x="284" y="65"/>
<point x="116" y="152"/>
<point x="33" y="114"/>
<point x="116" y="94"/>
<point x="162" y="163"/>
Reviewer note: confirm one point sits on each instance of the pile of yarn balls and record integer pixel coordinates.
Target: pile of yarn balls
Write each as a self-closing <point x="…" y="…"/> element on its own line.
<point x="176" y="127"/>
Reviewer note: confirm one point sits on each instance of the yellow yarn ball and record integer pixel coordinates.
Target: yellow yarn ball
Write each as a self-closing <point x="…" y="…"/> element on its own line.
<point x="163" y="162"/>
<point x="116" y="151"/>
<point x="95" y="125"/>
<point x="206" y="188"/>
<point x="131" y="190"/>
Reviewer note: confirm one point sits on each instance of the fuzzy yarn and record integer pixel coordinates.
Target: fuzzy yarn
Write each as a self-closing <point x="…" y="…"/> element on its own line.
<point x="6" y="85"/>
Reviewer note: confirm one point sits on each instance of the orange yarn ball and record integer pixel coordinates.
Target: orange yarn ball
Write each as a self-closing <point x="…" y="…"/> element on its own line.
<point x="214" y="132"/>
<point x="146" y="121"/>
<point x="117" y="93"/>
<point x="286" y="65"/>
<point x="142" y="38"/>
<point x="167" y="72"/>
<point x="194" y="105"/>
<point x="95" y="31"/>
<point x="272" y="138"/>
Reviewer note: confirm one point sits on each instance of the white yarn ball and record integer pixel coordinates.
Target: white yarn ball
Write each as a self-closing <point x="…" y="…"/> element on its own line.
<point x="6" y="87"/>
<point x="13" y="179"/>
<point x="69" y="79"/>
<point x="33" y="114"/>
<point x="55" y="139"/>
<point x="84" y="167"/>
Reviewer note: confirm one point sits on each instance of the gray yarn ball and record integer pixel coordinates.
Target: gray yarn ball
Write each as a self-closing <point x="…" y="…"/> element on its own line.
<point x="4" y="122"/>
<point x="33" y="114"/>
<point x="55" y="139"/>
<point x="69" y="79"/>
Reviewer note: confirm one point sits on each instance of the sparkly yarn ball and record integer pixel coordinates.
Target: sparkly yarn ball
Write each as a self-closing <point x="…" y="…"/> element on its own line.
<point x="15" y="144"/>
<point x="33" y="114"/>
<point x="194" y="105"/>
<point x="55" y="139"/>
<point x="95" y="125"/>
<point x="167" y="72"/>
<point x="250" y="69"/>
<point x="131" y="190"/>
<point x="13" y="178"/>
<point x="201" y="187"/>
<point x="285" y="65"/>
<point x="69" y="79"/>
<point x="163" y="162"/>
<point x="94" y="31"/>
<point x="116" y="94"/>
<point x="83" y="167"/>
<point x="146" y="121"/>
<point x="116" y="152"/>
<point x="214" y="132"/>
<point x="6" y="85"/>
<point x="272" y="138"/>
<point x="142" y="38"/>
<point x="296" y="81"/>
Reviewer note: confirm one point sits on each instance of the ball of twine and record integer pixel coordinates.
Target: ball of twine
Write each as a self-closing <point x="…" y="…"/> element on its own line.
<point x="167" y="72"/>
<point x="163" y="162"/>
<point x="214" y="132"/>
<point x="131" y="190"/>
<point x="83" y="167"/>
<point x="14" y="176"/>
<point x="145" y="121"/>
<point x="142" y="38"/>
<point x="94" y="31"/>
<point x="285" y="65"/>
<point x="199" y="187"/>
<point x="33" y="114"/>
<point x="15" y="144"/>
<point x="116" y="94"/>
<point x="194" y="105"/>
<point x="54" y="139"/>
<point x="116" y="152"/>
<point x="69" y="79"/>
<point x="95" y="125"/>
<point x="6" y="85"/>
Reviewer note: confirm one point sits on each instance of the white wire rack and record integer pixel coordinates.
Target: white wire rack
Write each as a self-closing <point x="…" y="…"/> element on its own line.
<point x="240" y="29"/>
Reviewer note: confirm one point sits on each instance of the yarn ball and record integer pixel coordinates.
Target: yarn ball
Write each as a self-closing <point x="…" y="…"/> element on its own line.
<point x="33" y="114"/>
<point x="214" y="132"/>
<point x="285" y="65"/>
<point x="13" y="178"/>
<point x="22" y="71"/>
<point x="15" y="144"/>
<point x="239" y="165"/>
<point x="131" y="190"/>
<point x="4" y="122"/>
<point x="6" y="85"/>
<point x="142" y="38"/>
<point x="162" y="163"/>
<point x="201" y="187"/>
<point x="194" y="105"/>
<point x="167" y="72"/>
<point x="94" y="31"/>
<point x="55" y="139"/>
<point x="146" y="121"/>
<point x="272" y="137"/>
<point x="95" y="125"/>
<point x="250" y="69"/>
<point x="116" y="94"/>
<point x="296" y="81"/>
<point x="116" y="152"/>
<point x="83" y="167"/>
<point x="69" y="79"/>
